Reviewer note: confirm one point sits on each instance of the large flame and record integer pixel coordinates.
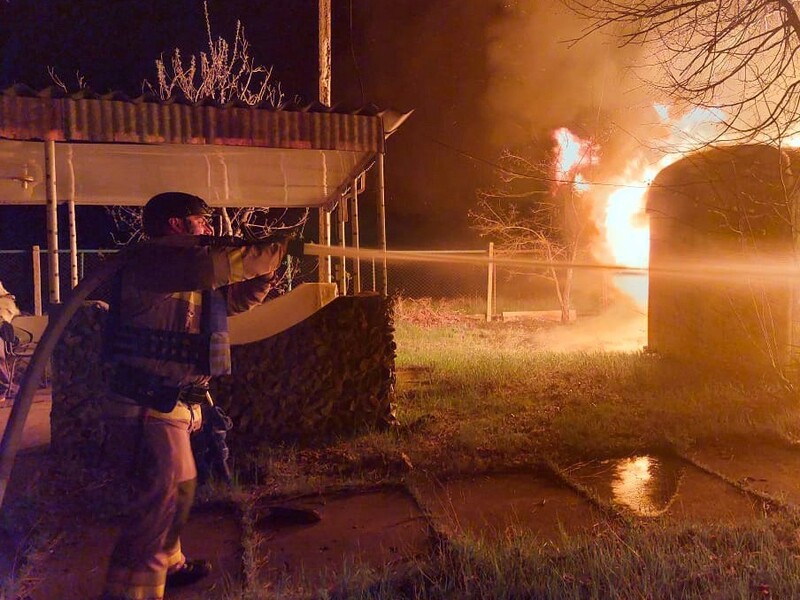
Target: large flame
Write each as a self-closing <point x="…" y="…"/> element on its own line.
<point x="620" y="211"/>
<point x="573" y="155"/>
<point x="619" y="203"/>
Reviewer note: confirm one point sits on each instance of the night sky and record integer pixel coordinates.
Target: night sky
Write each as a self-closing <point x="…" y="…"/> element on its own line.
<point x="398" y="54"/>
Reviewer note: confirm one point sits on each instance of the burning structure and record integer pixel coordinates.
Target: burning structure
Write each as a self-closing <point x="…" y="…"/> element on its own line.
<point x="722" y="241"/>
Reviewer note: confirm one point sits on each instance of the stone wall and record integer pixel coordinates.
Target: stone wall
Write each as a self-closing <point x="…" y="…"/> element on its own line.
<point x="331" y="374"/>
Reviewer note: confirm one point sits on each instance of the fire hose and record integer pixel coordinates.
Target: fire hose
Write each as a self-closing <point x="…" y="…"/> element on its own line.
<point x="12" y="436"/>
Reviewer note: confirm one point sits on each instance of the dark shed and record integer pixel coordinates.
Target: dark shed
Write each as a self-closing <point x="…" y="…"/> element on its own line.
<point x="722" y="237"/>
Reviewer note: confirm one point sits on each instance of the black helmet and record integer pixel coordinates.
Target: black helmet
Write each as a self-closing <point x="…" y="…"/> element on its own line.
<point x="162" y="207"/>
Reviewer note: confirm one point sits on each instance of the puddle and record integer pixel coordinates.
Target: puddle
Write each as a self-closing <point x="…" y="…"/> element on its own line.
<point x="763" y="467"/>
<point x="497" y="506"/>
<point x="656" y="486"/>
<point x="375" y="529"/>
<point x="644" y="484"/>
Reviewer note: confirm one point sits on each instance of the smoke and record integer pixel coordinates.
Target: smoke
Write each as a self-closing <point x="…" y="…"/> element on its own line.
<point x="621" y="328"/>
<point x="541" y="78"/>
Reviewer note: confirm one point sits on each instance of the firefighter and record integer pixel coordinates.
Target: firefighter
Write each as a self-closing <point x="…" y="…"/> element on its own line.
<point x="167" y="336"/>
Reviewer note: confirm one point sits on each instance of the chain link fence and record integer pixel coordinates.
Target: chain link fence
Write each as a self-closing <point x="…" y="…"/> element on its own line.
<point x="465" y="285"/>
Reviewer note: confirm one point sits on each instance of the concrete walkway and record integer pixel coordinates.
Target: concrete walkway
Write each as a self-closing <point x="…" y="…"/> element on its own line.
<point x="36" y="434"/>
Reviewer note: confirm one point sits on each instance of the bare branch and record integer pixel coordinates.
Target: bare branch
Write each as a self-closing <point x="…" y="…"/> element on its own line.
<point x="737" y="56"/>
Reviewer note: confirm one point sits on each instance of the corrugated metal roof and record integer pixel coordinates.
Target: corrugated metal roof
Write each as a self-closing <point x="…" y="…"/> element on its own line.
<point x="51" y="114"/>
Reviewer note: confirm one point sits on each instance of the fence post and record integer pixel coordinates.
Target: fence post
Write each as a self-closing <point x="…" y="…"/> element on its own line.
<point x="36" y="257"/>
<point x="490" y="284"/>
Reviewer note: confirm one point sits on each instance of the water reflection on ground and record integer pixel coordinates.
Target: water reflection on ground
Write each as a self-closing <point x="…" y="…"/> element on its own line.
<point x="644" y="484"/>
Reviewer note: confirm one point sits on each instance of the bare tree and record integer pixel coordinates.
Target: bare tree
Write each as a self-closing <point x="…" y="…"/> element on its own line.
<point x="733" y="56"/>
<point x="530" y="213"/>
<point x="225" y="73"/>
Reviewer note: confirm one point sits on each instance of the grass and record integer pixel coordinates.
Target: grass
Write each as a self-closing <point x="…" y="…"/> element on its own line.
<point x="500" y="391"/>
<point x="641" y="562"/>
<point x="490" y="397"/>
<point x="475" y="397"/>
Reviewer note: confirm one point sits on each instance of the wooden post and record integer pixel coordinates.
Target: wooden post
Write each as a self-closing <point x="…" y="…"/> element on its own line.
<point x="490" y="284"/>
<point x="382" y="225"/>
<point x="325" y="52"/>
<point x="52" y="221"/>
<point x="36" y="257"/>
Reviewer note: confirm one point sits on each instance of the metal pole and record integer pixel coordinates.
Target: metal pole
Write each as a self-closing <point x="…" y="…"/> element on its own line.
<point x="382" y="224"/>
<point x="356" y="241"/>
<point x="52" y="220"/>
<point x="489" y="284"/>
<point x="324" y="240"/>
<point x="341" y="220"/>
<point x="73" y="244"/>
<point x="325" y="99"/>
<point x="36" y="257"/>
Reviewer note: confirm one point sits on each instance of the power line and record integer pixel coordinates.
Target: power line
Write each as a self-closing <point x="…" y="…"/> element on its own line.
<point x="538" y="177"/>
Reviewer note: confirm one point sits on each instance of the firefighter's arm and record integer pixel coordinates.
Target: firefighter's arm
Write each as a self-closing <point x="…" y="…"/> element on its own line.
<point x="243" y="296"/>
<point x="236" y="264"/>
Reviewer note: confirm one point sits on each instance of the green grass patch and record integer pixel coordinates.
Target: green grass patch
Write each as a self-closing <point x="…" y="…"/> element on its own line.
<point x="493" y="385"/>
<point x="653" y="561"/>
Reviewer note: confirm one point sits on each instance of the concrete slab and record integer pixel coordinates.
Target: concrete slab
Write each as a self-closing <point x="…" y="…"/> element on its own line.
<point x="773" y="469"/>
<point x="499" y="506"/>
<point x="666" y="487"/>
<point x="373" y="529"/>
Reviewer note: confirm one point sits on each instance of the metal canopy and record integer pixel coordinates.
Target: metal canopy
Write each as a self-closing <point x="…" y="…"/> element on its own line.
<point x="114" y="150"/>
<point x="129" y="174"/>
<point x="117" y="150"/>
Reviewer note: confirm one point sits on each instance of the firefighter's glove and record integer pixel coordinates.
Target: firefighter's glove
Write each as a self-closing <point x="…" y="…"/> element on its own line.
<point x="295" y="247"/>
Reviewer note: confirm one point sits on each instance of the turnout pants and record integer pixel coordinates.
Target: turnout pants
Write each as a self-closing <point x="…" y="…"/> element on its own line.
<point x="153" y="457"/>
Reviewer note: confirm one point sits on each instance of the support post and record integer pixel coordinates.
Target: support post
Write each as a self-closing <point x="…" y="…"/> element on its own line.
<point x="52" y="221"/>
<point x="325" y="99"/>
<point x="36" y="258"/>
<point x="325" y="52"/>
<point x="356" y="240"/>
<point x="341" y="218"/>
<point x="73" y="244"/>
<point x="324" y="240"/>
<point x="382" y="224"/>
<point x="490" y="284"/>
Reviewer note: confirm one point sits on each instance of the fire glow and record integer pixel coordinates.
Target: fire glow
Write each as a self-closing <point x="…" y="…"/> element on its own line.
<point x="621" y="220"/>
<point x="619" y="209"/>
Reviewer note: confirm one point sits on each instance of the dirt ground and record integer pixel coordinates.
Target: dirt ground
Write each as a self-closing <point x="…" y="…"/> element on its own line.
<point x="382" y="528"/>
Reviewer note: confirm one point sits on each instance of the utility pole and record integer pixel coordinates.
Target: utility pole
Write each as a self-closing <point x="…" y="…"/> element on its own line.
<point x="324" y="98"/>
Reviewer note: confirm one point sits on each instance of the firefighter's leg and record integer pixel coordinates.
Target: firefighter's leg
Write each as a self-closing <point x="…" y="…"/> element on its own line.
<point x="139" y="562"/>
<point x="172" y="543"/>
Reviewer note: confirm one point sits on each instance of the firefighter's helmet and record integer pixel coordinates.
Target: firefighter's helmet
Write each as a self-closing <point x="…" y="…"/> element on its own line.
<point x="162" y="207"/>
